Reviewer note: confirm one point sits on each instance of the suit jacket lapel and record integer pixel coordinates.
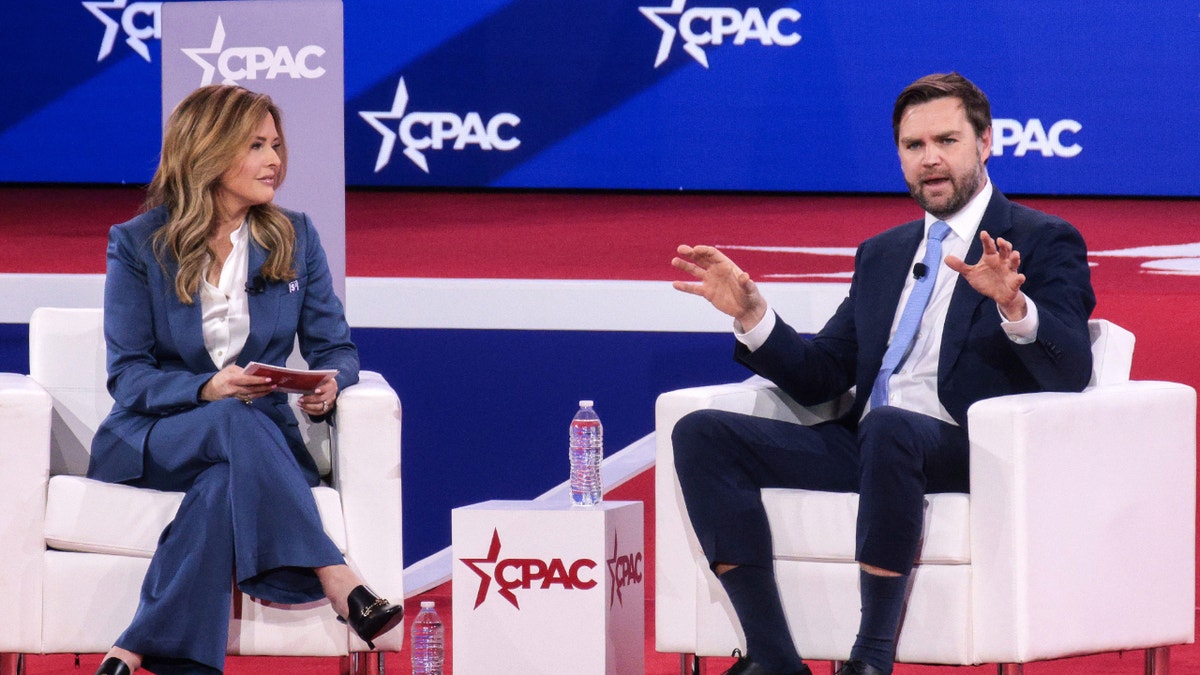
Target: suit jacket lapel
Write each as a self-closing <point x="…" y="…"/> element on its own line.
<point x="264" y="307"/>
<point x="185" y="322"/>
<point x="997" y="220"/>
<point x="884" y="299"/>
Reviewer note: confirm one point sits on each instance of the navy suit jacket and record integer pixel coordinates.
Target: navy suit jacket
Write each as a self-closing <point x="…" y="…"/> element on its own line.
<point x="157" y="361"/>
<point x="977" y="359"/>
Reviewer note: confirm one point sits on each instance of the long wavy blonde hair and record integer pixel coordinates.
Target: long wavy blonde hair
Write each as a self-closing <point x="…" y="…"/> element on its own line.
<point x="207" y="134"/>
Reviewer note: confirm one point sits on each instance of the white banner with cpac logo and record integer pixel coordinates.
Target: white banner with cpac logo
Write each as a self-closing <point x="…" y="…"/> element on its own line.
<point x="292" y="51"/>
<point x="544" y="587"/>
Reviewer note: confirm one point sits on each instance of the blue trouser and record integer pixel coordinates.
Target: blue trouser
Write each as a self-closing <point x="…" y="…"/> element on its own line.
<point x="892" y="460"/>
<point x="248" y="516"/>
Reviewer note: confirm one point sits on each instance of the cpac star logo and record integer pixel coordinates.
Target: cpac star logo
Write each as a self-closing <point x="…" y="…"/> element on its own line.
<point x="248" y="63"/>
<point x="522" y="573"/>
<point x="1032" y="136"/>
<point x="196" y="54"/>
<point x="716" y="24"/>
<point x="655" y="14"/>
<point x="438" y="128"/>
<point x="485" y="578"/>
<point x="399" y="103"/>
<point x="141" y="21"/>
<point x="622" y="570"/>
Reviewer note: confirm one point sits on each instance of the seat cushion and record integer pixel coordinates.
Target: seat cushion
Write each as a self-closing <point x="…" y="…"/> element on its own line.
<point x="91" y="516"/>
<point x="820" y="526"/>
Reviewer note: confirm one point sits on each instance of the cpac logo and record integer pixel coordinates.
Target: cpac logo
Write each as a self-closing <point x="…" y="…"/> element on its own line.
<point x="702" y="26"/>
<point x="622" y="571"/>
<point x="248" y="63"/>
<point x="511" y="574"/>
<point x="432" y="130"/>
<point x="141" y="21"/>
<point x="1032" y="136"/>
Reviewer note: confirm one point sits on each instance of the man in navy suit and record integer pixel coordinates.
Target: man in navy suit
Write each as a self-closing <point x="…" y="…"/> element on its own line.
<point x="1005" y="302"/>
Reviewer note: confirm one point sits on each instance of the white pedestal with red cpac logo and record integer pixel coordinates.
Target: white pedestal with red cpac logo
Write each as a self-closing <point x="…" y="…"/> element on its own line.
<point x="548" y="588"/>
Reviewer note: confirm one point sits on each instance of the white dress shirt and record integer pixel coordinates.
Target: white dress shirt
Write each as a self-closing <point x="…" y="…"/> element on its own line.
<point x="914" y="384"/>
<point x="224" y="307"/>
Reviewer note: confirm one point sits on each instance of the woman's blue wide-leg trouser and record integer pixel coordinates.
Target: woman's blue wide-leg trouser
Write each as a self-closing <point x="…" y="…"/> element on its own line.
<point x="248" y="516"/>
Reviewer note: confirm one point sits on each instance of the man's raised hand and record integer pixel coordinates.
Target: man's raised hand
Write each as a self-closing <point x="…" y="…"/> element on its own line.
<point x="996" y="275"/>
<point x="721" y="282"/>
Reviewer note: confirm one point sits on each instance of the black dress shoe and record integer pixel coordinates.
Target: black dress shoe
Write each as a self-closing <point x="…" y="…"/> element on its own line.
<point x="370" y="615"/>
<point x="113" y="666"/>
<point x="857" y="667"/>
<point x="745" y="666"/>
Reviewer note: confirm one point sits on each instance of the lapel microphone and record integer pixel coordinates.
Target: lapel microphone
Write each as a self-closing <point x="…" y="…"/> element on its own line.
<point x="256" y="285"/>
<point x="920" y="270"/>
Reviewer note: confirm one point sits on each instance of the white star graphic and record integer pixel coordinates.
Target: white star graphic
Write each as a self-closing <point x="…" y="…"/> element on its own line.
<point x="111" y="27"/>
<point x="655" y="15"/>
<point x="1162" y="259"/>
<point x="1174" y="259"/>
<point x="194" y="53"/>
<point x="669" y="33"/>
<point x="399" y="103"/>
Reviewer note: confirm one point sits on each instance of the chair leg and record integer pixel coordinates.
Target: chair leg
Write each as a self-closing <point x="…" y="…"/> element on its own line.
<point x="1158" y="661"/>
<point x="362" y="663"/>
<point x="686" y="668"/>
<point x="1010" y="668"/>
<point x="12" y="664"/>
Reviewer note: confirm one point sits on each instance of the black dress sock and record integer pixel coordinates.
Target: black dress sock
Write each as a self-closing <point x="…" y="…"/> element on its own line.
<point x="755" y="598"/>
<point x="882" y="606"/>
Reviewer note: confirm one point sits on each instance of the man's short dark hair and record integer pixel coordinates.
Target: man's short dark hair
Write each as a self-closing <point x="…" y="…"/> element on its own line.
<point x="944" y="85"/>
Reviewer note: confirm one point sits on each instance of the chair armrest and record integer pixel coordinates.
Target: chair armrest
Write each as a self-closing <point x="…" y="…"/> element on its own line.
<point x="678" y="558"/>
<point x="1083" y="520"/>
<point x="366" y="473"/>
<point x="25" y="414"/>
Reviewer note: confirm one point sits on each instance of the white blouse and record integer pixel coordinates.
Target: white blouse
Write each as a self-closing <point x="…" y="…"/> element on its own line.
<point x="224" y="307"/>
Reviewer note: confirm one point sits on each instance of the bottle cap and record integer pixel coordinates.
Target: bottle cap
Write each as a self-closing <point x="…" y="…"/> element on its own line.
<point x="586" y="404"/>
<point x="426" y="604"/>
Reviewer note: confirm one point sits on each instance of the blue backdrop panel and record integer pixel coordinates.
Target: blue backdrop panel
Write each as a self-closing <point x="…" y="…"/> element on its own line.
<point x="14" y="348"/>
<point x="1089" y="98"/>
<point x="486" y="411"/>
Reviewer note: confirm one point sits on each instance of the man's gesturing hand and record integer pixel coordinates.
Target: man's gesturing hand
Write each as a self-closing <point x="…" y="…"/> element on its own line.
<point x="721" y="282"/>
<point x="996" y="275"/>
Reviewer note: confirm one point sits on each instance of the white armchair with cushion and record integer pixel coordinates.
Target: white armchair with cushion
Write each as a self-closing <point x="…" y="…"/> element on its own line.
<point x="1078" y="536"/>
<point x="75" y="549"/>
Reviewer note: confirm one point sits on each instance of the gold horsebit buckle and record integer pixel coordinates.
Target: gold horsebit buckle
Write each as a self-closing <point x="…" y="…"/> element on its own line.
<point x="379" y="603"/>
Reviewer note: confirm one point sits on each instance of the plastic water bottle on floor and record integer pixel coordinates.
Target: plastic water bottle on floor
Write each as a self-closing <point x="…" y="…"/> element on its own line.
<point x="587" y="451"/>
<point x="428" y="641"/>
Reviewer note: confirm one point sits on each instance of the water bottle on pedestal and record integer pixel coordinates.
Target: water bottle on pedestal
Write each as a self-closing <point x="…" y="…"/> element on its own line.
<point x="428" y="641"/>
<point x="587" y="451"/>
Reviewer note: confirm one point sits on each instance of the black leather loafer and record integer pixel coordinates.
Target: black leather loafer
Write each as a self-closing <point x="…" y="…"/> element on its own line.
<point x="745" y="666"/>
<point x="370" y="615"/>
<point x="113" y="666"/>
<point x="857" y="667"/>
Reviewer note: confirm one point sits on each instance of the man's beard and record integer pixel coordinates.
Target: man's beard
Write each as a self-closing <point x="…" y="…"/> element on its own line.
<point x="962" y="193"/>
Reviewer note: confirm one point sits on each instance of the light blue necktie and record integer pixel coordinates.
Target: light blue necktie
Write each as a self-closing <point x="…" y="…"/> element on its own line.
<point x="910" y="320"/>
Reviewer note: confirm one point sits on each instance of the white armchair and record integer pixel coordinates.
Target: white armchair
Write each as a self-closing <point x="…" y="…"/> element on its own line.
<point x="75" y="549"/>
<point x="1078" y="535"/>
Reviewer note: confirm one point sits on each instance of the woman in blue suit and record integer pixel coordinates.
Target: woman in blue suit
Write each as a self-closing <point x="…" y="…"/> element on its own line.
<point x="212" y="276"/>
